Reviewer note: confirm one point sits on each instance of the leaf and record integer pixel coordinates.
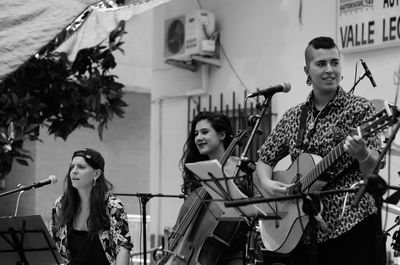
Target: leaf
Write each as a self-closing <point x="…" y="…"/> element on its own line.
<point x="22" y="162"/>
<point x="116" y="86"/>
<point x="62" y="96"/>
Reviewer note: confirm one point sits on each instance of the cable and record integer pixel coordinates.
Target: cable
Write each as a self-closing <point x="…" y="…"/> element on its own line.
<point x="397" y="88"/>
<point x="231" y="66"/>
<point x="199" y="3"/>
<point x="19" y="196"/>
<point x="346" y="196"/>
<point x="226" y="56"/>
<point x="140" y="230"/>
<point x="299" y="214"/>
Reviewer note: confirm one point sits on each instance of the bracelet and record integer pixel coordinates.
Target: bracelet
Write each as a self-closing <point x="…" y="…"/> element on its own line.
<point x="365" y="159"/>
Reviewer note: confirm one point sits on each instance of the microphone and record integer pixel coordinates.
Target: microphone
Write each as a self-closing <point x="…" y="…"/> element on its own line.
<point x="368" y="72"/>
<point x="50" y="180"/>
<point x="283" y="87"/>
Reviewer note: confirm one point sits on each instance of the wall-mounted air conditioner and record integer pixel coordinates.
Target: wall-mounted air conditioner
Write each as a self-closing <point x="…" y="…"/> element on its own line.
<point x="188" y="35"/>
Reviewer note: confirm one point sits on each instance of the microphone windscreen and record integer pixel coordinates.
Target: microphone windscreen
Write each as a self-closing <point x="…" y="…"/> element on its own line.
<point x="286" y="87"/>
<point x="53" y="179"/>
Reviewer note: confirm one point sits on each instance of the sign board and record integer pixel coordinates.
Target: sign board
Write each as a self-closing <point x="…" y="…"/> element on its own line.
<point x="367" y="24"/>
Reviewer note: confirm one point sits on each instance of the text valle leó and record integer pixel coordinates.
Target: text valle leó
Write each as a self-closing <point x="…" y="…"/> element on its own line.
<point x="364" y="33"/>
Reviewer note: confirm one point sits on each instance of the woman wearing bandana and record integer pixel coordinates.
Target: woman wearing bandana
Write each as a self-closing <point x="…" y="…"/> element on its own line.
<point x="89" y="224"/>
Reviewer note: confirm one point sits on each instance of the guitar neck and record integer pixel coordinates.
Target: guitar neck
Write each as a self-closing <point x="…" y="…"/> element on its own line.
<point x="323" y="165"/>
<point x="377" y="123"/>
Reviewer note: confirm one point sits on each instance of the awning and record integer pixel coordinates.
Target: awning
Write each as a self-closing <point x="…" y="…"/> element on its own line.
<point x="26" y="26"/>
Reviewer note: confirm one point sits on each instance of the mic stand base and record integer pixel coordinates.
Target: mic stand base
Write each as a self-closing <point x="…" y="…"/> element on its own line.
<point x="381" y="236"/>
<point x="311" y="207"/>
<point x="144" y="198"/>
<point x="252" y="256"/>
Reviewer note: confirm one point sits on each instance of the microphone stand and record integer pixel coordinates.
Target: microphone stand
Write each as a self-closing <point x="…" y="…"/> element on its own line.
<point x="374" y="178"/>
<point x="23" y="188"/>
<point x="248" y="166"/>
<point x="355" y="84"/>
<point x="144" y="198"/>
<point x="376" y="186"/>
<point x="257" y="121"/>
<point x="358" y="81"/>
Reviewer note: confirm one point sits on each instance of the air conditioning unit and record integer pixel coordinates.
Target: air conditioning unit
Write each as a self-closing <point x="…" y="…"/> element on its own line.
<point x="187" y="35"/>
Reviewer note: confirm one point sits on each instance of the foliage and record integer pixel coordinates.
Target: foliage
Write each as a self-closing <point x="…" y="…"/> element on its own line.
<point x="50" y="91"/>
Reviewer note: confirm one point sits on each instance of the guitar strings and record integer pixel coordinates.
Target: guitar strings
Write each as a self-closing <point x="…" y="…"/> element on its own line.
<point x="186" y="220"/>
<point x="326" y="160"/>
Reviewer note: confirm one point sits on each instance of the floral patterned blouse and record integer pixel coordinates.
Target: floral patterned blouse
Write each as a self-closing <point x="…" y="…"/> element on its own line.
<point x="112" y="240"/>
<point x="323" y="132"/>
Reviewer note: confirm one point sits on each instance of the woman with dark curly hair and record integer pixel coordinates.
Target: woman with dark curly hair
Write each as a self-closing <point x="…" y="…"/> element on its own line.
<point x="210" y="135"/>
<point x="89" y="224"/>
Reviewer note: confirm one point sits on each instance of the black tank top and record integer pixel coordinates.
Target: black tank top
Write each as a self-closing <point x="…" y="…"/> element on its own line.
<point x="85" y="250"/>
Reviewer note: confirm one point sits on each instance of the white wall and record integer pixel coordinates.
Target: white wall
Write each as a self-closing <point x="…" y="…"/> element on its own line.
<point x="265" y="42"/>
<point x="134" y="65"/>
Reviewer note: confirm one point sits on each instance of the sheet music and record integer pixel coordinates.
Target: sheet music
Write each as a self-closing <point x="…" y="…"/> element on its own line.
<point x="220" y="188"/>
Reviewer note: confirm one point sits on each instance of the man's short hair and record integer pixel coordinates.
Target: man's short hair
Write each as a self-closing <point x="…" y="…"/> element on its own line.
<point x="320" y="43"/>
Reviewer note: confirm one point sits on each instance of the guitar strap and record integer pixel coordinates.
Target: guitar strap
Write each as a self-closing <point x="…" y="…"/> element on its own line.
<point x="303" y="121"/>
<point x="302" y="127"/>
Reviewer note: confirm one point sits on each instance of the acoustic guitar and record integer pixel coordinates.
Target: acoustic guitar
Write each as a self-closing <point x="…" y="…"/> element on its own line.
<point x="283" y="235"/>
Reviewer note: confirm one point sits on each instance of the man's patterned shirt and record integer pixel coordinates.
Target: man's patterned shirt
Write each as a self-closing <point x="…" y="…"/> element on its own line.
<point x="323" y="132"/>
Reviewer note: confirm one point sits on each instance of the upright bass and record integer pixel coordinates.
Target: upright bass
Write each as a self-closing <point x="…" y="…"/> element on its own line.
<point x="200" y="236"/>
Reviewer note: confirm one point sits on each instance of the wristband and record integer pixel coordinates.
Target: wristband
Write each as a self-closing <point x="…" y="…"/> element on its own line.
<point x="365" y="159"/>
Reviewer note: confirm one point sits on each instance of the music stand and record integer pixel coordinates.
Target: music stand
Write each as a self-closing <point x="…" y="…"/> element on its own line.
<point x="25" y="240"/>
<point x="221" y="188"/>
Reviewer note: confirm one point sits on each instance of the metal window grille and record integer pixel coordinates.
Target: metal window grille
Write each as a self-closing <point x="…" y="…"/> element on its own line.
<point x="239" y="115"/>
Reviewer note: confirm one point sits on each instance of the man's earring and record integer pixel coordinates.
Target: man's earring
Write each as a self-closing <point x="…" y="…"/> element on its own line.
<point x="309" y="81"/>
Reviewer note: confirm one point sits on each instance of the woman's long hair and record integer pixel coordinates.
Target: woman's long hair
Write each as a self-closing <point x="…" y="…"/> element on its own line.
<point x="71" y="203"/>
<point x="221" y="124"/>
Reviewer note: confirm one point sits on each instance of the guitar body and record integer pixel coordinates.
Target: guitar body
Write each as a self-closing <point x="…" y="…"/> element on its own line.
<point x="283" y="235"/>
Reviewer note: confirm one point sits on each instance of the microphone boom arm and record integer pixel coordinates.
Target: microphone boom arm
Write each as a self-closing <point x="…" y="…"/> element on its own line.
<point x="39" y="184"/>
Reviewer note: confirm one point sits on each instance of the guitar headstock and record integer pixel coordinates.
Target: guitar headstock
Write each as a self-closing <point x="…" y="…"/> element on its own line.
<point x="381" y="120"/>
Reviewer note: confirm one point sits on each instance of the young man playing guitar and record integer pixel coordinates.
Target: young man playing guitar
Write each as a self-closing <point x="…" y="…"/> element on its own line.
<point x="326" y="120"/>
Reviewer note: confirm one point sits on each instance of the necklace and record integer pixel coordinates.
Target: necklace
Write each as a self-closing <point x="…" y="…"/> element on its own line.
<point x="311" y="126"/>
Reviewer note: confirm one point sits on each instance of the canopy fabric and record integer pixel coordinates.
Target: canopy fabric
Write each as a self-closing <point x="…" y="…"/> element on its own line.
<point x="28" y="25"/>
<point x="100" y="23"/>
